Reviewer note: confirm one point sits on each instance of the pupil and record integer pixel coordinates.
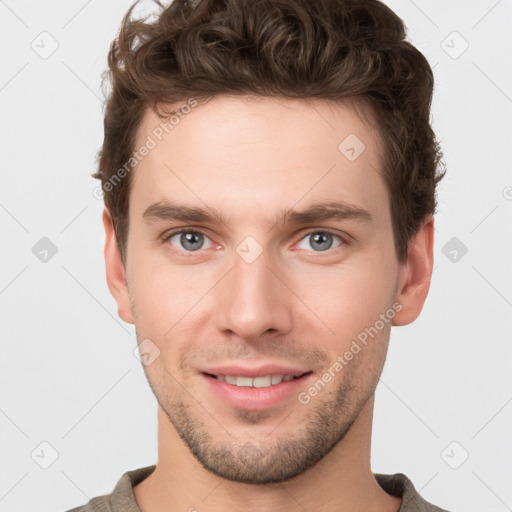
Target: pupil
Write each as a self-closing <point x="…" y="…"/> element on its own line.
<point x="189" y="239"/>
<point x="320" y="238"/>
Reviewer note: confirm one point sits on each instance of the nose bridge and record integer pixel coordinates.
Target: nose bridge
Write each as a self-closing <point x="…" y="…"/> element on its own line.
<point x="253" y="298"/>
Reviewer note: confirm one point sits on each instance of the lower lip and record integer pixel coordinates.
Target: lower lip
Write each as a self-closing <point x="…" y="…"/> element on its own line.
<point x="252" y="398"/>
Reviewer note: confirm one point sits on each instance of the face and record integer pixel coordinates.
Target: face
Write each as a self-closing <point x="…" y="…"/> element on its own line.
<point x="259" y="249"/>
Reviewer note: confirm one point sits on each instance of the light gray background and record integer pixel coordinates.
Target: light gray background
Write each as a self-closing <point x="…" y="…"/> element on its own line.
<point x="68" y="376"/>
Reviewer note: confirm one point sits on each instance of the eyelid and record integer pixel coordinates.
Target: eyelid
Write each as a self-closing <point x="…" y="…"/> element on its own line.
<point x="177" y="231"/>
<point x="344" y="238"/>
<point x="187" y="229"/>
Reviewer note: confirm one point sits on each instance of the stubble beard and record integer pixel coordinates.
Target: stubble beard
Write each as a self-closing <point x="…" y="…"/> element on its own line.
<point x="279" y="457"/>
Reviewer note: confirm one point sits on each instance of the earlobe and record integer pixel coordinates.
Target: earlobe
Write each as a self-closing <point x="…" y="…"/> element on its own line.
<point x="115" y="271"/>
<point x="415" y="274"/>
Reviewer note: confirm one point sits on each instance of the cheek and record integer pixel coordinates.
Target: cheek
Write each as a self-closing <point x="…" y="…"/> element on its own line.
<point x="338" y="300"/>
<point x="166" y="297"/>
<point x="347" y="299"/>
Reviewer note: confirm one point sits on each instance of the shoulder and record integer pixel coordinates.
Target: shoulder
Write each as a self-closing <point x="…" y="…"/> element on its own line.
<point x="400" y="485"/>
<point x="98" y="504"/>
<point x="122" y="498"/>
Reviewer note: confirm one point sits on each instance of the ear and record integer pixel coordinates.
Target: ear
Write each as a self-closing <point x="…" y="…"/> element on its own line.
<point x="415" y="274"/>
<point x="116" y="275"/>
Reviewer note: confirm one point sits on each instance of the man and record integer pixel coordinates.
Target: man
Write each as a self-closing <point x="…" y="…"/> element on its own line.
<point x="269" y="173"/>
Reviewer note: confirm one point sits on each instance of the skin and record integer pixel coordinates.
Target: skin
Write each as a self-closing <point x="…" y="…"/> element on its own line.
<point x="250" y="158"/>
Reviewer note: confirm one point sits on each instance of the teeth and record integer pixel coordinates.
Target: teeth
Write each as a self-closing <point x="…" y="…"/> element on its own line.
<point x="257" y="382"/>
<point x="244" y="381"/>
<point x="262" y="382"/>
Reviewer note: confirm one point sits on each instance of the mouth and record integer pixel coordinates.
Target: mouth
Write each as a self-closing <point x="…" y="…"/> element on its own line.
<point x="264" y="381"/>
<point x="257" y="392"/>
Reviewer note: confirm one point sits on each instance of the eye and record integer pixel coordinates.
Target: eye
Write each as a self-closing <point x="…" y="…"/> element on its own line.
<point x="320" y="241"/>
<point x="190" y="241"/>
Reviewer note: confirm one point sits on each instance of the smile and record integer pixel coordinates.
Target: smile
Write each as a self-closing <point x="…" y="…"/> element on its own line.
<point x="256" y="382"/>
<point x="256" y="392"/>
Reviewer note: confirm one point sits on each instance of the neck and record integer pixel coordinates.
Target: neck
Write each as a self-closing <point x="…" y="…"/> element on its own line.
<point x="341" y="481"/>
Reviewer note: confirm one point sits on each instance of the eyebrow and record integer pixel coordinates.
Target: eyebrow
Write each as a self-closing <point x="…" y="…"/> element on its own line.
<point x="334" y="210"/>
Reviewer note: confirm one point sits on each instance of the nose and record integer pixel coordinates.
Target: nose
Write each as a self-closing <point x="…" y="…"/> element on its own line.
<point x="253" y="300"/>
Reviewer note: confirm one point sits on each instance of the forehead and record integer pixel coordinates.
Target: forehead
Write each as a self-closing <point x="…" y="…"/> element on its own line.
<point x="251" y="153"/>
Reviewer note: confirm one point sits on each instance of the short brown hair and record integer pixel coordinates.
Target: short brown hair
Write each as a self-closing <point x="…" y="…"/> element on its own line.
<point x="328" y="49"/>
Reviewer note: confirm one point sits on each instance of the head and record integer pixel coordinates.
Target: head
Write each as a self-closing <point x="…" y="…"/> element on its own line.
<point x="269" y="173"/>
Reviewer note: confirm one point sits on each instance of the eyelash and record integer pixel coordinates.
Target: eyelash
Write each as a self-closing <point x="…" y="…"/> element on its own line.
<point x="170" y="234"/>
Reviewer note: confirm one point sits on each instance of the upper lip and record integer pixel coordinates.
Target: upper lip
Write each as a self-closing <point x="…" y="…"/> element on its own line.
<point x="255" y="371"/>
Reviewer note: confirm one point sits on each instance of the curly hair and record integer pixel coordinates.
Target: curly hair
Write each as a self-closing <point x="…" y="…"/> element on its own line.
<point x="337" y="50"/>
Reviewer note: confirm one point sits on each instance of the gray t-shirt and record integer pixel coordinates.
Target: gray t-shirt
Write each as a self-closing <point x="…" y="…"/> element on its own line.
<point x="122" y="498"/>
